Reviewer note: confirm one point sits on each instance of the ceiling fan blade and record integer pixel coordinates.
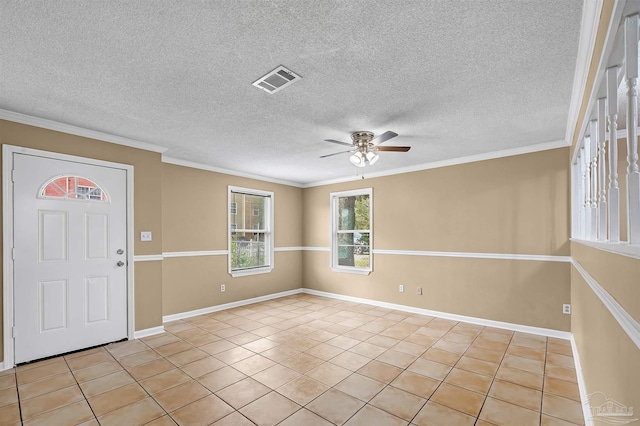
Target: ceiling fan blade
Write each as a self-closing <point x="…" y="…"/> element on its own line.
<point x="338" y="142"/>
<point x="384" y="137"/>
<point x="393" y="148"/>
<point x="335" y="153"/>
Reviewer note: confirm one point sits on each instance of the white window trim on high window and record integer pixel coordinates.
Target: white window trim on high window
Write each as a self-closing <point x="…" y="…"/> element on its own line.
<point x="334" y="196"/>
<point x="268" y="212"/>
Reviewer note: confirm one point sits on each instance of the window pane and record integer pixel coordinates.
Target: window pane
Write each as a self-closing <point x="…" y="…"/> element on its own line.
<point x="353" y="249"/>
<point x="353" y="212"/>
<point x="73" y="188"/>
<point x="247" y="211"/>
<point x="248" y="250"/>
<point x="254" y="212"/>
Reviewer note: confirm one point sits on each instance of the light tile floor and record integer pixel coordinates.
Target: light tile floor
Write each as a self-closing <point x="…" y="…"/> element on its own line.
<point x="304" y="360"/>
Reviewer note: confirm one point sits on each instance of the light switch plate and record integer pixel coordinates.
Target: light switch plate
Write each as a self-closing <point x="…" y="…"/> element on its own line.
<point x="145" y="236"/>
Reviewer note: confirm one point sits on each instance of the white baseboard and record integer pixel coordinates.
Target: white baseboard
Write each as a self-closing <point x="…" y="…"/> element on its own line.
<point x="473" y="320"/>
<point x="582" y="386"/>
<point x="148" y="332"/>
<point x="2" y="366"/>
<point x="216" y="308"/>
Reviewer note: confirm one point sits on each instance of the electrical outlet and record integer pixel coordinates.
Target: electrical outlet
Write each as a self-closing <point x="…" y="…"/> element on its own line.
<point x="222" y="288"/>
<point x="401" y="288"/>
<point x="566" y="309"/>
<point x="419" y="291"/>
<point x="145" y="236"/>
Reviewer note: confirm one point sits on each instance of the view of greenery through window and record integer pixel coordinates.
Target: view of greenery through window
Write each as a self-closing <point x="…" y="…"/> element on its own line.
<point x="354" y="231"/>
<point x="248" y="231"/>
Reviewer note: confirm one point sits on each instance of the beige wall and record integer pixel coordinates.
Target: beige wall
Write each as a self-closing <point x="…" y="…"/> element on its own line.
<point x="513" y="205"/>
<point x="147" y="206"/>
<point x="619" y="275"/>
<point x="609" y="358"/>
<point x="195" y="206"/>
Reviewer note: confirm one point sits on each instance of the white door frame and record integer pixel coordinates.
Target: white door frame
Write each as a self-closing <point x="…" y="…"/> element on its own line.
<point x="7" y="240"/>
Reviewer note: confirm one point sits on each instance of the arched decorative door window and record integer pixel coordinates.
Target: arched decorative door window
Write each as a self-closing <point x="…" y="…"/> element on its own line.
<point x="73" y="188"/>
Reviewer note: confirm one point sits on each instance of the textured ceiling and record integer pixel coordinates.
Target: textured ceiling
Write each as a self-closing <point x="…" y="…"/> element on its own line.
<point x="453" y="78"/>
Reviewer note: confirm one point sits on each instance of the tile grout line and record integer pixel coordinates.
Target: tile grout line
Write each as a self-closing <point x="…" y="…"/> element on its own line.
<point x="544" y="377"/>
<point x="143" y="388"/>
<point x="80" y="387"/>
<point x="285" y="333"/>
<point x="15" y="373"/>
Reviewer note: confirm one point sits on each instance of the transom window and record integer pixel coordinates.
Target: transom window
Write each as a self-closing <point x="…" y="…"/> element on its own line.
<point x="250" y="231"/>
<point x="351" y="231"/>
<point x="73" y="188"/>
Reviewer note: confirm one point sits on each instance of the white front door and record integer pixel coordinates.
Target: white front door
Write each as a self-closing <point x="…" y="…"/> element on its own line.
<point x="70" y="272"/>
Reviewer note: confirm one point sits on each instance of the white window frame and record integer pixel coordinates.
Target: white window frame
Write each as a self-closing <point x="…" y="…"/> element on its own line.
<point x="88" y="195"/>
<point x="268" y="232"/>
<point x="334" y="196"/>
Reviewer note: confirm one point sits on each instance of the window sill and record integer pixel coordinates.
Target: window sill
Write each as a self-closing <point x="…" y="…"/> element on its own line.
<point x="254" y="271"/>
<point x="352" y="270"/>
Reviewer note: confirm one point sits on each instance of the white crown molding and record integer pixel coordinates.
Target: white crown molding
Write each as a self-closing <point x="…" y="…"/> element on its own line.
<point x="147" y="258"/>
<point x="195" y="253"/>
<point x="120" y="140"/>
<point x="622" y="248"/>
<point x="582" y="385"/>
<point x="588" y="30"/>
<point x="504" y="256"/>
<point x="194" y="313"/>
<point x="626" y="321"/>
<point x="43" y="123"/>
<point x="473" y="320"/>
<point x="148" y="332"/>
<point x="451" y="162"/>
<point x="200" y="166"/>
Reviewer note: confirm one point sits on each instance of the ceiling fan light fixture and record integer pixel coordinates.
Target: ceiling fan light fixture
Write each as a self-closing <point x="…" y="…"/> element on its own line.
<point x="358" y="159"/>
<point x="372" y="157"/>
<point x="365" y="147"/>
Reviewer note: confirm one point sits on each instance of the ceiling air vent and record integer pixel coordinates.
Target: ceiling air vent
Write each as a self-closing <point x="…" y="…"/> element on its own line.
<point x="276" y="80"/>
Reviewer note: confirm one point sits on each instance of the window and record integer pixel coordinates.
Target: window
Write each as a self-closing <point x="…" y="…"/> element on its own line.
<point x="351" y="236"/>
<point x="89" y="193"/>
<point x="72" y="188"/>
<point x="250" y="235"/>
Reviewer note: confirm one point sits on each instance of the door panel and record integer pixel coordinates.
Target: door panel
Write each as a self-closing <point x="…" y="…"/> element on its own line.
<point x="53" y="237"/>
<point x="69" y="290"/>
<point x="97" y="291"/>
<point x="96" y="236"/>
<point x="53" y="305"/>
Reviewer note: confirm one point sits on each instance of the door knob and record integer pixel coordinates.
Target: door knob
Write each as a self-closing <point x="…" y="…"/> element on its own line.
<point x="120" y="251"/>
<point x="120" y="263"/>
